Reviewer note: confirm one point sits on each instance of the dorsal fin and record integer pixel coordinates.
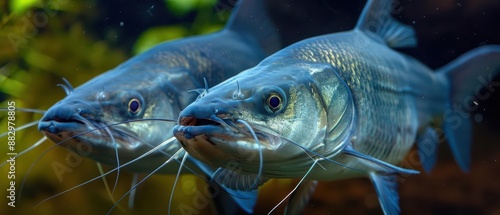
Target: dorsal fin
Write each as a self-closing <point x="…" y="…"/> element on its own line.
<point x="250" y="19"/>
<point x="376" y="20"/>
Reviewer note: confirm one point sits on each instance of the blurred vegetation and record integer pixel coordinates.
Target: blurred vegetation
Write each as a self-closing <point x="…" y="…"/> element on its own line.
<point x="45" y="41"/>
<point x="62" y="38"/>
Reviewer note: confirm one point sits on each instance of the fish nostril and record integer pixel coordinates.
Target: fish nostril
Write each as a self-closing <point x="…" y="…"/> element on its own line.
<point x="187" y="121"/>
<point x="222" y="115"/>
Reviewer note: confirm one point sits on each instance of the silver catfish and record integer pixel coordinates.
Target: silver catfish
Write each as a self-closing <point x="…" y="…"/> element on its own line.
<point x="337" y="106"/>
<point x="118" y="116"/>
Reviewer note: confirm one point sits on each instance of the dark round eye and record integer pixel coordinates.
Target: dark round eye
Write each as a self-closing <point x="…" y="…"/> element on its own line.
<point x="134" y="106"/>
<point x="274" y="102"/>
<point x="273" y="99"/>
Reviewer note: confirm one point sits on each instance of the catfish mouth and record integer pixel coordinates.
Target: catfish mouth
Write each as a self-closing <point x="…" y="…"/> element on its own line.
<point x="193" y="121"/>
<point x="64" y="132"/>
<point x="218" y="130"/>
<point x="57" y="125"/>
<point x="78" y="130"/>
<point x="191" y="127"/>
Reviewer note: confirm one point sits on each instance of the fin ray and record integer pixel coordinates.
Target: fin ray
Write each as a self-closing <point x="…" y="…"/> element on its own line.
<point x="387" y="192"/>
<point x="238" y="180"/>
<point x="250" y="19"/>
<point x="245" y="200"/>
<point x="427" y="148"/>
<point x="300" y="197"/>
<point x="376" y="20"/>
<point x="379" y="165"/>
<point x="467" y="75"/>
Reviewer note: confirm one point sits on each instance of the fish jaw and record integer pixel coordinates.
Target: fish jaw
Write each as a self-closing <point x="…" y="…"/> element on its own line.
<point x="64" y="134"/>
<point x="71" y="134"/>
<point x="217" y="145"/>
<point x="66" y="123"/>
<point x="199" y="145"/>
<point x="60" y="128"/>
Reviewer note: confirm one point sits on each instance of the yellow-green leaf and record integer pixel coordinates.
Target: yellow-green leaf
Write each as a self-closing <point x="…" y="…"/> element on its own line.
<point x="153" y="36"/>
<point x="20" y="6"/>
<point x="182" y="7"/>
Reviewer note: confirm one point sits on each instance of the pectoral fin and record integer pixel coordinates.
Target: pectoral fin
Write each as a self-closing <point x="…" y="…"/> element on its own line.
<point x="229" y="201"/>
<point x="242" y="187"/>
<point x="379" y="165"/>
<point x="245" y="201"/>
<point x="300" y="197"/>
<point x="384" y="176"/>
<point x="238" y="180"/>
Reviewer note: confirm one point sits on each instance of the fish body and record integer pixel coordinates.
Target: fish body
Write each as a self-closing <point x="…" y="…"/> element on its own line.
<point x="120" y="115"/>
<point x="155" y="85"/>
<point x="336" y="106"/>
<point x="158" y="83"/>
<point x="317" y="83"/>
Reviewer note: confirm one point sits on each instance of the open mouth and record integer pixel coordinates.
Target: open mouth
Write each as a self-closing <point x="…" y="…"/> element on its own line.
<point x="219" y="129"/>
<point x="190" y="127"/>
<point x="193" y="121"/>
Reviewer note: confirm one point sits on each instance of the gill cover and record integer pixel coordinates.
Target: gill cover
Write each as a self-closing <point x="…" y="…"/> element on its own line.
<point x="338" y="102"/>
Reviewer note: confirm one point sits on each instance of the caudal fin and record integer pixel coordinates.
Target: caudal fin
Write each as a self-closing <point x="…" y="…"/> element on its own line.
<point x="250" y="19"/>
<point x="467" y="76"/>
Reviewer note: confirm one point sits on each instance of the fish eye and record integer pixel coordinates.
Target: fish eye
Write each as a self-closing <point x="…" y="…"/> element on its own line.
<point x="274" y="102"/>
<point x="134" y="106"/>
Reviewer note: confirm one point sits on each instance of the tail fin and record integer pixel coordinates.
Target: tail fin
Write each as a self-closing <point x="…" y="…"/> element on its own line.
<point x="376" y="21"/>
<point x="250" y="19"/>
<point x="467" y="75"/>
